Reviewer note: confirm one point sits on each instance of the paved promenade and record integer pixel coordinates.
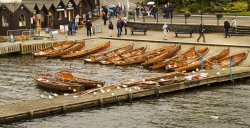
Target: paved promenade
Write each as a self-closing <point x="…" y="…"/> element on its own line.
<point x="211" y="38"/>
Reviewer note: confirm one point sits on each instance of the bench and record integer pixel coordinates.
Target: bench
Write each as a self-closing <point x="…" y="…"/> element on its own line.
<point x="38" y="37"/>
<point x="184" y="31"/>
<point x="139" y="29"/>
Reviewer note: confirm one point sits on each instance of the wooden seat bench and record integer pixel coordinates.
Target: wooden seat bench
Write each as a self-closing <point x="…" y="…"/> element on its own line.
<point x="139" y="29"/>
<point x="184" y="31"/>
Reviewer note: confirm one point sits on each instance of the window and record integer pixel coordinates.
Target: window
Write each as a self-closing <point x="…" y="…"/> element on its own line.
<point x="5" y="22"/>
<point x="22" y="21"/>
<point x="60" y="15"/>
<point x="81" y="8"/>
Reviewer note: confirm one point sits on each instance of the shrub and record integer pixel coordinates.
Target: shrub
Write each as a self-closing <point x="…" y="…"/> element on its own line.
<point x="194" y="7"/>
<point x="238" y="6"/>
<point x="187" y="14"/>
<point x="219" y="15"/>
<point x="184" y="10"/>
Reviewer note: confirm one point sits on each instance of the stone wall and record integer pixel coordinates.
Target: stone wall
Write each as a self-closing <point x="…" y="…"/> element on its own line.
<point x="173" y="27"/>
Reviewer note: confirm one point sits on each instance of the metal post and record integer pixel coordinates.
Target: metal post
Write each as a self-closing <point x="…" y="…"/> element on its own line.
<point x="127" y="9"/>
<point x="201" y="17"/>
<point x="157" y="17"/>
<point x="231" y="72"/>
<point x="171" y="18"/>
<point x="134" y="15"/>
<point x="143" y="18"/>
<point x="202" y="63"/>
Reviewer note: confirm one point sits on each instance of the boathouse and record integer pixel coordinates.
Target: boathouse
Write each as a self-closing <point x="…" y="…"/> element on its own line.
<point x="38" y="14"/>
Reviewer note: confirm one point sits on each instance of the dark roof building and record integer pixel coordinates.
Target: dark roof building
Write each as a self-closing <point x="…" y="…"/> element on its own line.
<point x="42" y="13"/>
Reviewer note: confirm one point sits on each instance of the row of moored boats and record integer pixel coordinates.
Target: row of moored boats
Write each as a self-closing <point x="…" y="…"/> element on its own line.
<point x="170" y="57"/>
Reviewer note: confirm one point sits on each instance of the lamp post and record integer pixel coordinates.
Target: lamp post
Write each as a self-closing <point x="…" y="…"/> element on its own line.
<point x="127" y="9"/>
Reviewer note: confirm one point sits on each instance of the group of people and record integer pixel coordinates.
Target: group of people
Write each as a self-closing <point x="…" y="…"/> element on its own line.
<point x="168" y="10"/>
<point x="144" y="10"/>
<point x="228" y="25"/>
<point x="119" y="25"/>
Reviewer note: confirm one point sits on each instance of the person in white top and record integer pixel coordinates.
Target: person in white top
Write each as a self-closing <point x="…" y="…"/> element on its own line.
<point x="234" y="25"/>
<point x="77" y="20"/>
<point x="165" y="30"/>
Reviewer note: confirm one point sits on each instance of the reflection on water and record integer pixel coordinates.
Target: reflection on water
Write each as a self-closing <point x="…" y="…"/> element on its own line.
<point x="221" y="106"/>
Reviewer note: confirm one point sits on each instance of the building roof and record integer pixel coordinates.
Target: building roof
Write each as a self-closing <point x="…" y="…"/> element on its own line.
<point x="30" y="4"/>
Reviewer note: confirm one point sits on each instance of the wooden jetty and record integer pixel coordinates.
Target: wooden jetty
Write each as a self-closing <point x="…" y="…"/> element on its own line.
<point x="9" y="48"/>
<point x="31" y="47"/>
<point x="27" y="47"/>
<point x="61" y="104"/>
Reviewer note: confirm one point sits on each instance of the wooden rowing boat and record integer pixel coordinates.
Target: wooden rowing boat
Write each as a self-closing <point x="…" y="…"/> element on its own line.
<point x="197" y="64"/>
<point x="163" y="63"/>
<point x="187" y="59"/>
<point x="170" y="52"/>
<point x="57" y="85"/>
<point x="57" y="47"/>
<point x="74" y="47"/>
<point x="134" y="52"/>
<point x="83" y="52"/>
<point x="165" y="79"/>
<point x="225" y="62"/>
<point x="140" y="58"/>
<point x="86" y="83"/>
<point x="103" y="56"/>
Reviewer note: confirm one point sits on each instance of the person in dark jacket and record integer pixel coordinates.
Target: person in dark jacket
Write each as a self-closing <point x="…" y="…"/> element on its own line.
<point x="119" y="26"/>
<point x="226" y="28"/>
<point x="88" y="26"/>
<point x="201" y="33"/>
<point x="137" y="10"/>
<point x="70" y="32"/>
<point x="154" y="11"/>
<point x="111" y="27"/>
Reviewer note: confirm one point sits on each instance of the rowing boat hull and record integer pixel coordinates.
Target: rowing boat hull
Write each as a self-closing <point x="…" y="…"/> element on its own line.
<point x="170" y="52"/>
<point x="76" y="46"/>
<point x="140" y="58"/>
<point x="86" y="83"/>
<point x="187" y="59"/>
<point x="236" y="60"/>
<point x="103" y="56"/>
<point x="162" y="64"/>
<point x="55" y="85"/>
<point x="197" y="64"/>
<point x="82" y="53"/>
<point x="132" y="53"/>
<point x="55" y="48"/>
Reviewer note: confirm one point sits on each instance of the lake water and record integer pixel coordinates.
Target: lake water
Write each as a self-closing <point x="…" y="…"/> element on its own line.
<point x="224" y="105"/>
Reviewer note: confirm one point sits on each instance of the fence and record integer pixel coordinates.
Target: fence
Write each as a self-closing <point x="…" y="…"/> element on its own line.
<point x="30" y="34"/>
<point x="181" y="19"/>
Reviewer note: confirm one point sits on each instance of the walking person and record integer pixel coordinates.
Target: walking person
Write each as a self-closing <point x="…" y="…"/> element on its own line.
<point x="137" y="10"/>
<point x="154" y="11"/>
<point x="111" y="28"/>
<point x="88" y="26"/>
<point x="70" y="31"/>
<point x="201" y="33"/>
<point x="234" y="25"/>
<point x="77" y="20"/>
<point x="119" y="25"/>
<point x="165" y="31"/>
<point x="171" y="10"/>
<point x="226" y="28"/>
<point x="125" y="24"/>
<point x="105" y="18"/>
